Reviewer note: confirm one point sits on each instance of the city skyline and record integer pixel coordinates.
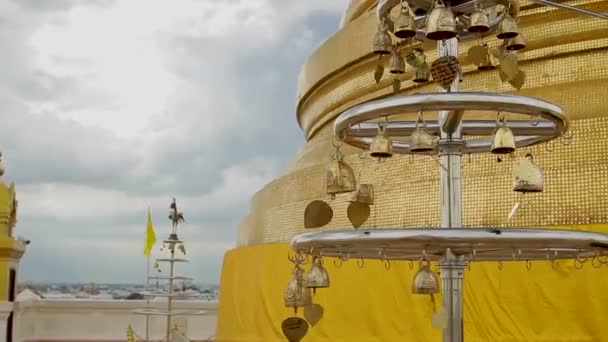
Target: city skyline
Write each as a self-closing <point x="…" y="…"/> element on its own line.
<point x="113" y="107"/>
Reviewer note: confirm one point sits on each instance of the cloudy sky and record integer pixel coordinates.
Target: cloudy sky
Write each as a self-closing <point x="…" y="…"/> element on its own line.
<point x="110" y="106"/>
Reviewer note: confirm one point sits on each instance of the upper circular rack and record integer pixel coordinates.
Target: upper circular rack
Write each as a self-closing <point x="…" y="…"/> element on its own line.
<point x="475" y="244"/>
<point x="352" y="126"/>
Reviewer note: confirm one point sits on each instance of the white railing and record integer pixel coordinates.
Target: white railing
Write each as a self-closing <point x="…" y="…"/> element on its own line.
<point x="104" y="320"/>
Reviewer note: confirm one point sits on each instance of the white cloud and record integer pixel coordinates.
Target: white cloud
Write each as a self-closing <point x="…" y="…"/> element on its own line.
<point x="109" y="107"/>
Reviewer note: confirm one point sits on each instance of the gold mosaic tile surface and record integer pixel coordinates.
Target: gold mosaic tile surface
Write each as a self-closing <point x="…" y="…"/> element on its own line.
<point x="566" y="62"/>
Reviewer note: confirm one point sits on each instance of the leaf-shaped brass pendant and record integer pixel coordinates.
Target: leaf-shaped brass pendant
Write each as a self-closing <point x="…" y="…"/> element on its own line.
<point x="379" y="72"/>
<point x="294" y="328"/>
<point x="396" y="85"/>
<point x="518" y="81"/>
<point x="317" y="214"/>
<point x="477" y="54"/>
<point x="358" y="213"/>
<point x="508" y="65"/>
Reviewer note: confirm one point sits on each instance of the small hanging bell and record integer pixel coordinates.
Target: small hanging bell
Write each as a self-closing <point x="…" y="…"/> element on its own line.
<point x="479" y="22"/>
<point x="527" y="176"/>
<point x="383" y="43"/>
<point x="425" y="281"/>
<point x="339" y="178"/>
<point x="517" y="43"/>
<point x="382" y="145"/>
<point x="317" y="276"/>
<point x="364" y="194"/>
<point x="440" y="23"/>
<point x="422" y="73"/>
<point x="416" y="58"/>
<point x="507" y="28"/>
<point x="397" y="65"/>
<point x="487" y="63"/>
<point x="503" y="141"/>
<point x="405" y="27"/>
<point x="296" y="295"/>
<point x="422" y="141"/>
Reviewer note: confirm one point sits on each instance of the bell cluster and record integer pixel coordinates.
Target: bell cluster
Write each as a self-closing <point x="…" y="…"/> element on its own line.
<point x="441" y="24"/>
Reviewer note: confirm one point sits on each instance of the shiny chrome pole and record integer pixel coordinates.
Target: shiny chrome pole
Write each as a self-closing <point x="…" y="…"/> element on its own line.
<point x="450" y="151"/>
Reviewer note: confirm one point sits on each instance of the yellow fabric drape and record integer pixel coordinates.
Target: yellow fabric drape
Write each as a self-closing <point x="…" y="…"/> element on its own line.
<point x="376" y="305"/>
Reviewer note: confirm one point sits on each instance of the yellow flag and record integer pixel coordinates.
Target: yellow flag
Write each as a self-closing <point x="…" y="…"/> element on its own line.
<point x="150" y="236"/>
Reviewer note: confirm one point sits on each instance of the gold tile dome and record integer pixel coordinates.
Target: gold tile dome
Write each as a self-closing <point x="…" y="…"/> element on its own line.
<point x="566" y="63"/>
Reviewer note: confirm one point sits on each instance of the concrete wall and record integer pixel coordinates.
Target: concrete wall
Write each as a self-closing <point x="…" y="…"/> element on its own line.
<point x="89" y="320"/>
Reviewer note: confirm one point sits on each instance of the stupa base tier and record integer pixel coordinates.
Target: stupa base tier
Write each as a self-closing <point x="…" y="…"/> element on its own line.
<point x="470" y="244"/>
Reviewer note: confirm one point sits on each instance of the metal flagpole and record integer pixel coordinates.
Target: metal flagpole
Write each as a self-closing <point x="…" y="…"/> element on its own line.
<point x="148" y="298"/>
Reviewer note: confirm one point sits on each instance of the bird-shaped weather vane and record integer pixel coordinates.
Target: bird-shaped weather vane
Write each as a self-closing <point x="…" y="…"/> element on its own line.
<point x="176" y="217"/>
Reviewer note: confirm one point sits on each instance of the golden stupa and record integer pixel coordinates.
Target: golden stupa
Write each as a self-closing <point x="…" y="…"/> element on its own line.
<point x="566" y="62"/>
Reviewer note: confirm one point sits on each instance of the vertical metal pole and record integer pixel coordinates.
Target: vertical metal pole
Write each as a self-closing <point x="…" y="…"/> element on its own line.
<point x="452" y="268"/>
<point x="148" y="299"/>
<point x="170" y="298"/>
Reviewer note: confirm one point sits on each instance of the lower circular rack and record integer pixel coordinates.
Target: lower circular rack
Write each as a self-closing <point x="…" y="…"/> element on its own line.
<point x="473" y="244"/>
<point x="545" y="121"/>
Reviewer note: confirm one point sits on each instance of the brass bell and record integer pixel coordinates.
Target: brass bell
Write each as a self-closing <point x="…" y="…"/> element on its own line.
<point x="479" y="22"/>
<point x="440" y="23"/>
<point x="507" y="28"/>
<point x="527" y="176"/>
<point x="517" y="43"/>
<point x="339" y="178"/>
<point x="425" y="281"/>
<point x="296" y="295"/>
<point x="503" y="141"/>
<point x="382" y="145"/>
<point x="405" y="27"/>
<point x="487" y="63"/>
<point x="1" y="166"/>
<point x="383" y="43"/>
<point x="397" y="65"/>
<point x="364" y="194"/>
<point x="416" y="57"/>
<point x="422" y="73"/>
<point x="317" y="276"/>
<point x="422" y="141"/>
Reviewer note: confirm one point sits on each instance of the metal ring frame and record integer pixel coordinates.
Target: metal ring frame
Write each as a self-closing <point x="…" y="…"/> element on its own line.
<point x="474" y="244"/>
<point x="549" y="119"/>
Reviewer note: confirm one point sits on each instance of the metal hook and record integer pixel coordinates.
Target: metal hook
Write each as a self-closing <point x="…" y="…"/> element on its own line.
<point x="411" y="265"/>
<point x="554" y="265"/>
<point x="535" y="120"/>
<point x="577" y="263"/>
<point x="338" y="262"/>
<point x="387" y="264"/>
<point x="360" y="262"/>
<point x="550" y="146"/>
<point x="596" y="262"/>
<point x="500" y="265"/>
<point x="528" y="265"/>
